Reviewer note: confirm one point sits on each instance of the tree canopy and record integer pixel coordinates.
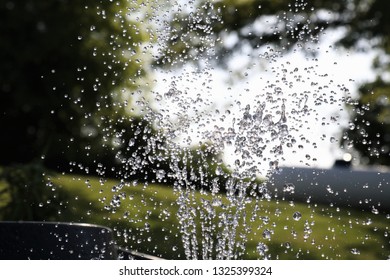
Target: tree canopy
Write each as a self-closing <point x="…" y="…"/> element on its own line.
<point x="65" y="67"/>
<point x="67" y="71"/>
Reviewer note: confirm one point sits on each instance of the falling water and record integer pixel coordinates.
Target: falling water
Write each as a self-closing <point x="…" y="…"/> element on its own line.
<point x="255" y="126"/>
<point x="221" y="134"/>
<point x="249" y="124"/>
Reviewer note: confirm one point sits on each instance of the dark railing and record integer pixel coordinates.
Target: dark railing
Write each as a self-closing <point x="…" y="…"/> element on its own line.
<point x="61" y="241"/>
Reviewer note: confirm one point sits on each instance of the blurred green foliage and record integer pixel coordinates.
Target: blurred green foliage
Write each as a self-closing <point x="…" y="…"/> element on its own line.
<point x="369" y="127"/>
<point x="26" y="194"/>
<point x="64" y="67"/>
<point x="67" y="71"/>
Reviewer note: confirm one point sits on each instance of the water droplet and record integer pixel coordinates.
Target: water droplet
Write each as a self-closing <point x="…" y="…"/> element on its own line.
<point x="218" y="171"/>
<point x="297" y="216"/>
<point x="355" y="251"/>
<point x="265" y="220"/>
<point x="262" y="249"/>
<point x="160" y="175"/>
<point x="216" y="202"/>
<point x="267" y="234"/>
<point x="329" y="189"/>
<point x="289" y="188"/>
<point x="267" y="121"/>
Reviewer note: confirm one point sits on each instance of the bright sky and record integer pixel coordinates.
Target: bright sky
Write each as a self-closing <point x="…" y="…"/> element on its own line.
<point x="293" y="80"/>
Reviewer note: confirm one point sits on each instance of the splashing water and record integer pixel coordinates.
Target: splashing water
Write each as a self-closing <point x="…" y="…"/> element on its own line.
<point x="252" y="133"/>
<point x="218" y="139"/>
<point x="256" y="127"/>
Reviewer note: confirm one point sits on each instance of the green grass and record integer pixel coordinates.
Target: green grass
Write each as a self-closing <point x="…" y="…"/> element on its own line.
<point x="146" y="221"/>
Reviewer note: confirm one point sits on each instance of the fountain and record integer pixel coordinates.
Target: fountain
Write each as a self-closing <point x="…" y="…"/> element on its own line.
<point x="217" y="140"/>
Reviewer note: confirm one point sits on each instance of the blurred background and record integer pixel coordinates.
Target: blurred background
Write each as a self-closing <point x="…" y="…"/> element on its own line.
<point x="134" y="91"/>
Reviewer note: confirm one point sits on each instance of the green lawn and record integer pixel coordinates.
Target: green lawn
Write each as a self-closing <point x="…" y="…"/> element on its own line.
<point x="146" y="220"/>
